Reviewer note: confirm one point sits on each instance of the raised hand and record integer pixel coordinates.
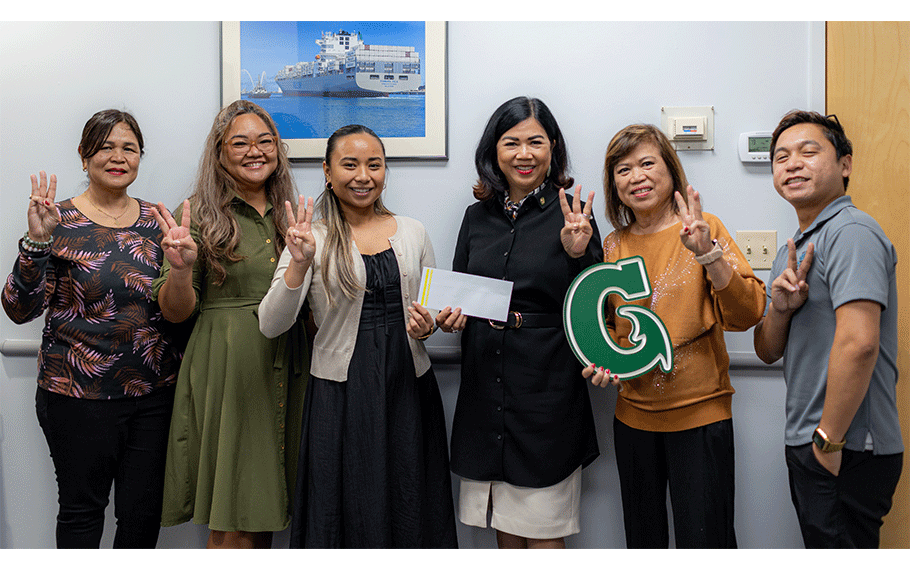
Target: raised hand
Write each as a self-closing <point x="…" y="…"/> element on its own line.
<point x="43" y="215"/>
<point x="789" y="291"/>
<point x="420" y="323"/>
<point x="179" y="247"/>
<point x="695" y="234"/>
<point x="300" y="241"/>
<point x="577" y="231"/>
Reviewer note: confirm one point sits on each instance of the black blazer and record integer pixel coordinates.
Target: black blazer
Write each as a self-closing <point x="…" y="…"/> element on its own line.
<point x="523" y="414"/>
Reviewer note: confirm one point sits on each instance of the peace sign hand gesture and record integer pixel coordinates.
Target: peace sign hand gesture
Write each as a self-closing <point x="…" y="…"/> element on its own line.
<point x="179" y="247"/>
<point x="577" y="231"/>
<point x="300" y="241"/>
<point x="789" y="291"/>
<point x="695" y="234"/>
<point x="43" y="215"/>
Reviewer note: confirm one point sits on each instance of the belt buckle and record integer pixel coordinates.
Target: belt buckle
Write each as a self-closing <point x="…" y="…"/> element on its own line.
<point x="518" y="320"/>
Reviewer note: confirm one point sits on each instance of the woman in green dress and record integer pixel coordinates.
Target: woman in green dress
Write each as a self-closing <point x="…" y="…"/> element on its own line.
<point x="232" y="451"/>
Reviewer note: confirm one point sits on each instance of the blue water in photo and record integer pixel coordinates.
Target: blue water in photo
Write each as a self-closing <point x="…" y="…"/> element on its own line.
<point x="396" y="116"/>
<point x="267" y="47"/>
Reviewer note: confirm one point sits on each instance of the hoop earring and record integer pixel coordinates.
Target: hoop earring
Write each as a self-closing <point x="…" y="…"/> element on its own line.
<point x="328" y="185"/>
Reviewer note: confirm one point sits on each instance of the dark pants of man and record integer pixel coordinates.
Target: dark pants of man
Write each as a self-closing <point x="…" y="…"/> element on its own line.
<point x="843" y="511"/>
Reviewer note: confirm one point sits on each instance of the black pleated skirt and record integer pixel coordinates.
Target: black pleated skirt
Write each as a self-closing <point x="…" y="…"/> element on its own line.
<point x="374" y="463"/>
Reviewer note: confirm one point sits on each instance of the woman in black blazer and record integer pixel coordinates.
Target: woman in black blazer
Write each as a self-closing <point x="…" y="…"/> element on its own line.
<point x="523" y="426"/>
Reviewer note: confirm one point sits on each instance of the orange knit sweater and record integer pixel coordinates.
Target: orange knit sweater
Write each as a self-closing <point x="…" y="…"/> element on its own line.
<point x="697" y="391"/>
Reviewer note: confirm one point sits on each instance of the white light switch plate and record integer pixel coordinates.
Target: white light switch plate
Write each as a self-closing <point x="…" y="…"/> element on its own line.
<point x="760" y="247"/>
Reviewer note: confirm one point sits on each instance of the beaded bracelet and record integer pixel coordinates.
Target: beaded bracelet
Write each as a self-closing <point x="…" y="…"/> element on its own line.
<point x="34" y="246"/>
<point x="428" y="334"/>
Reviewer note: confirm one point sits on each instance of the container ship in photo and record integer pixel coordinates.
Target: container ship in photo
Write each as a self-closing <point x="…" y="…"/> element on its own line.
<point x="347" y="67"/>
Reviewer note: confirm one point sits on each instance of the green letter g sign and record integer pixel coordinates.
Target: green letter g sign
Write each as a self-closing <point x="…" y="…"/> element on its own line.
<point x="586" y="330"/>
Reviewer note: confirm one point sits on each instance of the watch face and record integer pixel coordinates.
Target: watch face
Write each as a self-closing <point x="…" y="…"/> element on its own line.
<point x="825" y="445"/>
<point x="818" y="440"/>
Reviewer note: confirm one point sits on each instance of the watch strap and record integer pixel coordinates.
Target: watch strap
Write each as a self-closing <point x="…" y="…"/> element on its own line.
<point x="712" y="255"/>
<point x="820" y="439"/>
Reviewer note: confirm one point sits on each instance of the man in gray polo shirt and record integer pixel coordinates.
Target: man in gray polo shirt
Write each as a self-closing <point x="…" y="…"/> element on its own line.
<point x="832" y="316"/>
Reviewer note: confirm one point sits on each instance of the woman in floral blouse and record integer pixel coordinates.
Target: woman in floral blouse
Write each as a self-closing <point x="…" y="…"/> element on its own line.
<point x="106" y="369"/>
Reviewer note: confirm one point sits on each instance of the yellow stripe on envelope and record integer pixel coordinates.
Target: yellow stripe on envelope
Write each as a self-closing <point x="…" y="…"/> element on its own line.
<point x="427" y="279"/>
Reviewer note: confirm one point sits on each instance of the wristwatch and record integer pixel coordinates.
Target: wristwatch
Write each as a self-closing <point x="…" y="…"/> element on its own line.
<point x="824" y="444"/>
<point x="712" y="255"/>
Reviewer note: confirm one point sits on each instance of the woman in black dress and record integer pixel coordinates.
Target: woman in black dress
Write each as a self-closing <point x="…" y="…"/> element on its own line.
<point x="374" y="467"/>
<point x="523" y="426"/>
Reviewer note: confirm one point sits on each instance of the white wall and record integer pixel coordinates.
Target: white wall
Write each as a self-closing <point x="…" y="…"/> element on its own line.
<point x="53" y="76"/>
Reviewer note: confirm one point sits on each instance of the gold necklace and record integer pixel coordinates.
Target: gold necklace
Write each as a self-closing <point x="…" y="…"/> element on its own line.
<point x="116" y="218"/>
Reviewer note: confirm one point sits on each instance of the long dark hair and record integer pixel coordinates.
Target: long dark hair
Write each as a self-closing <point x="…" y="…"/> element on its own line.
<point x="490" y="178"/>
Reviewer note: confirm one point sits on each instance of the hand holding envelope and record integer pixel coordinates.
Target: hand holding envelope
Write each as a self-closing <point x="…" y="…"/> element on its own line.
<point x="451" y="321"/>
<point x="475" y="296"/>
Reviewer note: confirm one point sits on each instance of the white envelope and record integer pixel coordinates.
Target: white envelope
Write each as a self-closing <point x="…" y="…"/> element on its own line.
<point x="477" y="296"/>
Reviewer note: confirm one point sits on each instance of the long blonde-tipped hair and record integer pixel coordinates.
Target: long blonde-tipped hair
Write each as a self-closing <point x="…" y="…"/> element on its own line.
<point x="215" y="188"/>
<point x="337" y="250"/>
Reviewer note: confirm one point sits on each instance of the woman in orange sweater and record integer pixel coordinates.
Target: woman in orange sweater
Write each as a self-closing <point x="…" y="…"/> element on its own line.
<point x="675" y="429"/>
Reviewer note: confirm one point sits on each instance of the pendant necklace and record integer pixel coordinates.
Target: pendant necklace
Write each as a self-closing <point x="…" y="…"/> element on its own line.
<point x="116" y="218"/>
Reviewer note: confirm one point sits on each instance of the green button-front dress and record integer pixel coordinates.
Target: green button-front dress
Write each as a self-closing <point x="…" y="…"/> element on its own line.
<point x="235" y="431"/>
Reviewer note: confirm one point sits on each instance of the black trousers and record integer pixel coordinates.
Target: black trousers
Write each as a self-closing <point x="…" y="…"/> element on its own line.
<point x="94" y="443"/>
<point x="696" y="465"/>
<point x="843" y="511"/>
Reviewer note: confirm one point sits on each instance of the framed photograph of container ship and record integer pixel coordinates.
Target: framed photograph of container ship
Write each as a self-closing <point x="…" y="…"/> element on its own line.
<point x="314" y="77"/>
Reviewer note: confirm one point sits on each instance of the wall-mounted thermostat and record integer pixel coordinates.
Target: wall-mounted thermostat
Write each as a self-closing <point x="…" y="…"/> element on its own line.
<point x="754" y="147"/>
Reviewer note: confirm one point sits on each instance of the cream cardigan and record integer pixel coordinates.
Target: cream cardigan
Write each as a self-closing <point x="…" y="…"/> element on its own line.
<point x="334" y="342"/>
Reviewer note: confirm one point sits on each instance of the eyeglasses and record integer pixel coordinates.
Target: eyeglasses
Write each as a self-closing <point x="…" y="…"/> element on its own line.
<point x="834" y="117"/>
<point x="242" y="147"/>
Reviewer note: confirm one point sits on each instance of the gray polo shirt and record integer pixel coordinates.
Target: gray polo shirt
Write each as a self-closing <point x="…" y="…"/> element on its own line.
<point x="854" y="260"/>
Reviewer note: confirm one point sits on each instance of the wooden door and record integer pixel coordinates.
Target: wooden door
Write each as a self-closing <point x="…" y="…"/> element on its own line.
<point x="868" y="88"/>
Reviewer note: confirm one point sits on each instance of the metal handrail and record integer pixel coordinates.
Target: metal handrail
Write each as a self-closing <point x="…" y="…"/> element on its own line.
<point x="439" y="354"/>
<point x="20" y="347"/>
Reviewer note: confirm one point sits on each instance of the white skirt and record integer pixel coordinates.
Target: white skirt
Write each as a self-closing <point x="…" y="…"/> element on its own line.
<point x="529" y="512"/>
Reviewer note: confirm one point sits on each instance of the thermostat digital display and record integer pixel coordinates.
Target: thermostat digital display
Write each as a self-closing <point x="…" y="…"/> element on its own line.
<point x="754" y="147"/>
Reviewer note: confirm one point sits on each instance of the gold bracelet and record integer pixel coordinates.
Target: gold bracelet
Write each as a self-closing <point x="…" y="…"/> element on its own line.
<point x="428" y="334"/>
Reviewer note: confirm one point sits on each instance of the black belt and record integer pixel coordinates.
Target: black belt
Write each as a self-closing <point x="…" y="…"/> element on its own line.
<point x="518" y="319"/>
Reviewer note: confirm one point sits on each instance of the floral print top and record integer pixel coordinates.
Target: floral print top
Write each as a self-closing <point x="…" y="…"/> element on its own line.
<point x="104" y="337"/>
